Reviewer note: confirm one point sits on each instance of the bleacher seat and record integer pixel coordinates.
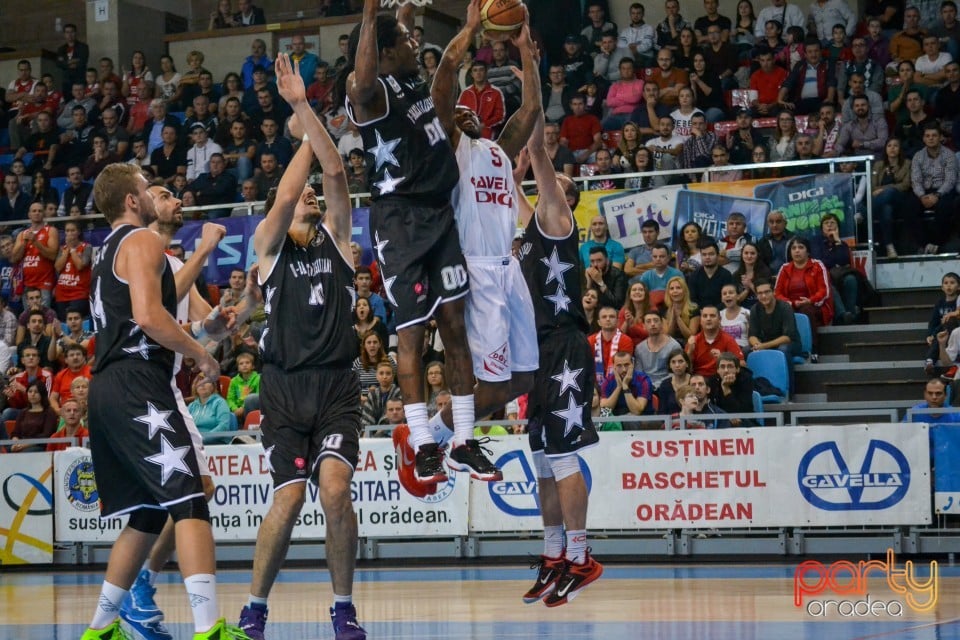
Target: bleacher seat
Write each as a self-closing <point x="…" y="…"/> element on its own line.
<point x="806" y="337"/>
<point x="179" y="115"/>
<point x="4" y="138"/>
<point x="772" y="365"/>
<point x="252" y="420"/>
<point x="757" y="406"/>
<point x="224" y="385"/>
<point x="60" y="184"/>
<point x="6" y="160"/>
<point x="611" y="139"/>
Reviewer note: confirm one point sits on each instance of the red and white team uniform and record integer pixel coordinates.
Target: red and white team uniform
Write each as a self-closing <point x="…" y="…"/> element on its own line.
<point x="499" y="312"/>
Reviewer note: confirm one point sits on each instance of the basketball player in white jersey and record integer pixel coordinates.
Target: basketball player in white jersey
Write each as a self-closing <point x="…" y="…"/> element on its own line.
<point x="139" y="611"/>
<point x="499" y="312"/>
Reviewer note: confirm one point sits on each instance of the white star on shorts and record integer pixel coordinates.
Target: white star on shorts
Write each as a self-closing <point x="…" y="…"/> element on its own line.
<point x="170" y="459"/>
<point x="567" y="378"/>
<point x="156" y="420"/>
<point x="572" y="415"/>
<point x="388" y="289"/>
<point x="380" y="244"/>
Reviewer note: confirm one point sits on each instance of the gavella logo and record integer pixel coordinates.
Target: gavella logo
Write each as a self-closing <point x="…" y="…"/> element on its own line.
<point x="844" y="578"/>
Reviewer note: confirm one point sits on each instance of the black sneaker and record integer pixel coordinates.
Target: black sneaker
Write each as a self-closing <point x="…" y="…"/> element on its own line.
<point x="429" y="464"/>
<point x="470" y="457"/>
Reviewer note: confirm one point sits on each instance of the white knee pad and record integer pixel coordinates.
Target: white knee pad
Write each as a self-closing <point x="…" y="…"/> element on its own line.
<point x="542" y="465"/>
<point x="565" y="466"/>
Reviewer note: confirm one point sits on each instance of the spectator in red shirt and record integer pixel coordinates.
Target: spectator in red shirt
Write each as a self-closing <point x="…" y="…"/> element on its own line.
<point x="16" y="389"/>
<point x="73" y="268"/>
<point x="76" y="360"/>
<point x="766" y="82"/>
<point x="485" y="100"/>
<point x="71" y="415"/>
<point x="320" y="91"/>
<point x="580" y="132"/>
<point x="36" y="248"/>
<point x="705" y="347"/>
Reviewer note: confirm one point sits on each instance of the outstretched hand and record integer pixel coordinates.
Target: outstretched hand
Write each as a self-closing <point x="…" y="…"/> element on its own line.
<point x="289" y="83"/>
<point x="473" y="16"/>
<point x="523" y="40"/>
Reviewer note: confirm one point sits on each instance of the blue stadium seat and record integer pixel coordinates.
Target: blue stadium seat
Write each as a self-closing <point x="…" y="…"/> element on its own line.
<point x="806" y="337"/>
<point x="27" y="159"/>
<point x="60" y="184"/>
<point x="6" y="160"/>
<point x="87" y="325"/>
<point x="758" y="407"/>
<point x="179" y="115"/>
<point x="772" y="365"/>
<point x="4" y="138"/>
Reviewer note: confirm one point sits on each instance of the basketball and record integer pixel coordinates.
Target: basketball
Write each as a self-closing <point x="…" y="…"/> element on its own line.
<point x="501" y="18"/>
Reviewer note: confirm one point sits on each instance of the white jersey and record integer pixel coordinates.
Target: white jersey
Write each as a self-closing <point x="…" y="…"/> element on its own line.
<point x="484" y="199"/>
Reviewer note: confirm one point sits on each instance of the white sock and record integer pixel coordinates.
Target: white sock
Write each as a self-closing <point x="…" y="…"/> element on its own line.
<point x="439" y="429"/>
<point x="345" y="600"/>
<point x="108" y="607"/>
<point x="463" y="419"/>
<point x="577" y="546"/>
<point x="151" y="574"/>
<point x="416" y="414"/>
<point x="553" y="541"/>
<point x="255" y="600"/>
<point x="202" y="593"/>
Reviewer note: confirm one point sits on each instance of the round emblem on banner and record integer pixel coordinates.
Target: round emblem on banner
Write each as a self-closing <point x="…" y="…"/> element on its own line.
<point x="80" y="485"/>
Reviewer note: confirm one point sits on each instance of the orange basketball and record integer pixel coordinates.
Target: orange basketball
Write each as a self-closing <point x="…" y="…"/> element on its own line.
<point x="501" y="18"/>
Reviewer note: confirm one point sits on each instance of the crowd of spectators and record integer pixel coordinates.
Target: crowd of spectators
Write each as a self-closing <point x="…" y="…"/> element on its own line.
<point x="669" y="324"/>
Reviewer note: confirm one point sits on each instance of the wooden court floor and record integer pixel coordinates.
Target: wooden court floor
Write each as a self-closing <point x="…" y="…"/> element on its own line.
<point x="467" y="602"/>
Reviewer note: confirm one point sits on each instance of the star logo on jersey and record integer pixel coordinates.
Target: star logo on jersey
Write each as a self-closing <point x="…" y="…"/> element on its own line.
<point x="567" y="378"/>
<point x="383" y="152"/>
<point x="560" y="300"/>
<point x="99" y="315"/>
<point x="388" y="289"/>
<point x="379" y="245"/>
<point x="388" y="184"/>
<point x="572" y="415"/>
<point x="156" y="420"/>
<point x="556" y="269"/>
<point x="142" y="349"/>
<point x="170" y="459"/>
<point x="266" y="304"/>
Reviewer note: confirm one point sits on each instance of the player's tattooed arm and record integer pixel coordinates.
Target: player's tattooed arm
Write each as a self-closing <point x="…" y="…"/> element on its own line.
<point x="518" y="128"/>
<point x="445" y="89"/>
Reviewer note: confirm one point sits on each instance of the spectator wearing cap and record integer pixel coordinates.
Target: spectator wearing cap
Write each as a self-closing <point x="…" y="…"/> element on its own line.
<point x="741" y="141"/>
<point x="258" y="58"/>
<point x="198" y="156"/>
<point x="577" y="63"/>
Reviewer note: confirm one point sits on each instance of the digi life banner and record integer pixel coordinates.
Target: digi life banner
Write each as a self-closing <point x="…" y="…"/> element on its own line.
<point x="26" y="510"/>
<point x="730" y="478"/>
<point x="804" y="200"/>
<point x="244" y="493"/>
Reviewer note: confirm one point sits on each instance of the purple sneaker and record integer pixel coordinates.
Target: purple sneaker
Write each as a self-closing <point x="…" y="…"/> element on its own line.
<point x="345" y="624"/>
<point x="253" y="619"/>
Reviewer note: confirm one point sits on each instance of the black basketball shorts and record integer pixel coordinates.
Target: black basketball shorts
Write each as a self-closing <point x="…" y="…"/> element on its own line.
<point x="308" y="415"/>
<point x="418" y="251"/>
<point x="558" y="409"/>
<point x="143" y="455"/>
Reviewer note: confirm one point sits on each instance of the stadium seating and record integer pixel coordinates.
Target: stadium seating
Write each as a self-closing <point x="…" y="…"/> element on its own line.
<point x="772" y="365"/>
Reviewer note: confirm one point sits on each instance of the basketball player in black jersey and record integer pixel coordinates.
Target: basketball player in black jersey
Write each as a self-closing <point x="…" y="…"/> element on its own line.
<point x="311" y="410"/>
<point x="559" y="424"/>
<point x="140" y="444"/>
<point x="413" y="173"/>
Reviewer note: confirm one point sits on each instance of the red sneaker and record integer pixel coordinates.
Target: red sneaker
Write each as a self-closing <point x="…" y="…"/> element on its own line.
<point x="549" y="571"/>
<point x="406" y="464"/>
<point x="573" y="580"/>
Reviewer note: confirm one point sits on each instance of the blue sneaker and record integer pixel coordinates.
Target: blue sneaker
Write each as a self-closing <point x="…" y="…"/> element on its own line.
<point x="140" y="614"/>
<point x="345" y="624"/>
<point x="253" y="620"/>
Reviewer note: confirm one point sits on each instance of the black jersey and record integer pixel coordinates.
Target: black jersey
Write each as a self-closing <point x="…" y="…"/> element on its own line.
<point x="551" y="267"/>
<point x="119" y="338"/>
<point x="407" y="150"/>
<point x="309" y="298"/>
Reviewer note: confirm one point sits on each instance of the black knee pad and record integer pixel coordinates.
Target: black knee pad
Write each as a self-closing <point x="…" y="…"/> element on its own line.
<point x="148" y="520"/>
<point x="193" y="509"/>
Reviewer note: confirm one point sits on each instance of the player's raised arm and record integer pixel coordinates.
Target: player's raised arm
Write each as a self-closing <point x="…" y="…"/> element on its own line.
<point x="445" y="90"/>
<point x="553" y="212"/>
<point x="363" y="86"/>
<point x="520" y="125"/>
<point x="336" y="194"/>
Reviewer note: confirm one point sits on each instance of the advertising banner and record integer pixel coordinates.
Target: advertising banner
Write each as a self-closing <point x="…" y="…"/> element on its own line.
<point x="26" y="511"/>
<point x="731" y="478"/>
<point x="804" y="200"/>
<point x="945" y="441"/>
<point x="244" y="493"/>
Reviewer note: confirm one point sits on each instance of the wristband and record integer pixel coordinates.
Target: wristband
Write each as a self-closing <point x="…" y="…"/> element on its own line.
<point x="306" y="138"/>
<point x="197" y="330"/>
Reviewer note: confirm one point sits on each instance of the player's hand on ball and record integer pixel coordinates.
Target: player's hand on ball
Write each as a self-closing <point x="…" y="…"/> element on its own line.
<point x="474" y="22"/>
